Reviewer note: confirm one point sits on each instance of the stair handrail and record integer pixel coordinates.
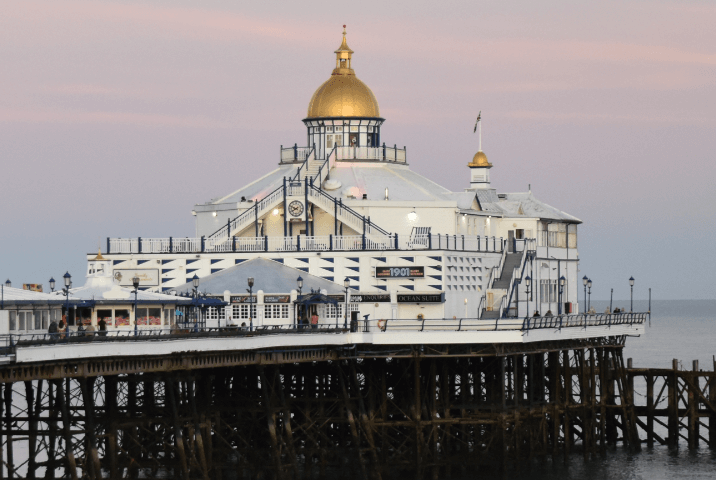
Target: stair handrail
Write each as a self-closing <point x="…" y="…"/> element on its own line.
<point x="370" y="226"/>
<point x="500" y="266"/>
<point x="480" y="306"/>
<point x="520" y="269"/>
<point x="232" y="224"/>
<point x="304" y="164"/>
<point x="327" y="164"/>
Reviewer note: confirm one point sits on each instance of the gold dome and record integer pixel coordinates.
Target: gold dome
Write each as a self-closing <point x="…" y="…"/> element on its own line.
<point x="479" y="160"/>
<point x="343" y="95"/>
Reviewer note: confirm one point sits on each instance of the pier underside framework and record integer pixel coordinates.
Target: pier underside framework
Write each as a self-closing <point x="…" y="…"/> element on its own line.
<point x="431" y="411"/>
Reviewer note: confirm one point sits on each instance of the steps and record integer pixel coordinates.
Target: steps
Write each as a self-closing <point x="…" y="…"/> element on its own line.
<point x="512" y="261"/>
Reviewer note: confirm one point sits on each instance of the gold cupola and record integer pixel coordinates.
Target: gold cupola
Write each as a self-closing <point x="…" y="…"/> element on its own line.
<point x="480" y="160"/>
<point x="343" y="95"/>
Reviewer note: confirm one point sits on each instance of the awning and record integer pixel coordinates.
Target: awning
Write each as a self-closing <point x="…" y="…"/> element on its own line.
<point x="315" y="298"/>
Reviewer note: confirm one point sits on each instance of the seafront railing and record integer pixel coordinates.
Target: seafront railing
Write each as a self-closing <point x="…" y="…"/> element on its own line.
<point x="381" y="153"/>
<point x="311" y="243"/>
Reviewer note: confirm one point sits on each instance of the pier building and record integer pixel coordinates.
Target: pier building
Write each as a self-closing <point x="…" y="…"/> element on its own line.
<point x="348" y="206"/>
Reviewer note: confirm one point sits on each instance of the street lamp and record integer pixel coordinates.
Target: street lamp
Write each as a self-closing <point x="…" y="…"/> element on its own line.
<point x="135" y="283"/>
<point x="299" y="284"/>
<point x="584" y="282"/>
<point x="68" y="283"/>
<point x="561" y="289"/>
<point x="52" y="284"/>
<point x="631" y="285"/>
<point x="528" y="282"/>
<point x="194" y="295"/>
<point x="346" y="285"/>
<point x="251" y="307"/>
<point x="589" y="293"/>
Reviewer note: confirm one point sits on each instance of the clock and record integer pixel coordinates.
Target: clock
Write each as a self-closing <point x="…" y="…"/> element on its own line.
<point x="295" y="208"/>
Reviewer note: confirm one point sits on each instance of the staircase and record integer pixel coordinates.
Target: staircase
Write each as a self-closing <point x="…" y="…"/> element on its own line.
<point x="312" y="172"/>
<point x="503" y="283"/>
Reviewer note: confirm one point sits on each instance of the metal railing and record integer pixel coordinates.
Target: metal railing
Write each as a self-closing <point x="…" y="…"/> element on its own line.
<point x="382" y="154"/>
<point x="294" y="154"/>
<point x="12" y="341"/>
<point x="373" y="240"/>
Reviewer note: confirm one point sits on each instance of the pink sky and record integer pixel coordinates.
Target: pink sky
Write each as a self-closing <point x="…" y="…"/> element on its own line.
<point x="116" y="117"/>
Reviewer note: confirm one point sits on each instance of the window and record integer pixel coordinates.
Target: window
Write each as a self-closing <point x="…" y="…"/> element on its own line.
<point x="45" y="319"/>
<point x="334" y="311"/>
<point x="339" y="129"/>
<point x="106" y="315"/>
<point x="13" y="321"/>
<point x="21" y="321"/>
<point x="284" y="311"/>
<point x="149" y="316"/>
<point x="121" y="318"/>
<point x="244" y="311"/>
<point x="168" y="316"/>
<point x="214" y="313"/>
<point x="329" y="129"/>
<point x="273" y="311"/>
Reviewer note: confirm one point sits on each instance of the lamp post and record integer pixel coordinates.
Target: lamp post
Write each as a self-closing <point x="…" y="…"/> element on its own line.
<point x="589" y="294"/>
<point x="631" y="285"/>
<point x="299" y="284"/>
<point x="346" y="285"/>
<point x="52" y="284"/>
<point x="584" y="282"/>
<point x="135" y="284"/>
<point x="562" y="280"/>
<point x="251" y="307"/>
<point x="68" y="283"/>
<point x="528" y="282"/>
<point x="195" y="295"/>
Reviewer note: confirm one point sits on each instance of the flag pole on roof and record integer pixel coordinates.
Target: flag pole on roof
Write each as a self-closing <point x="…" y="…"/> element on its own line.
<point x="478" y="124"/>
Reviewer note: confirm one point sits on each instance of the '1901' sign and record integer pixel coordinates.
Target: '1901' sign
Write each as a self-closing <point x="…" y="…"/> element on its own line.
<point x="399" y="272"/>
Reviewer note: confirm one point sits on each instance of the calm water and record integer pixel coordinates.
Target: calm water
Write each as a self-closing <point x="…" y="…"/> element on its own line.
<point x="685" y="330"/>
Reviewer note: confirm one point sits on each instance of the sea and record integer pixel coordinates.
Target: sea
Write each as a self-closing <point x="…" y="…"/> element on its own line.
<point x="679" y="329"/>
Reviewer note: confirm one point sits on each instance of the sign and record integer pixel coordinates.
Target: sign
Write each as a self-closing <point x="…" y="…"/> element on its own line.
<point x="399" y="272"/>
<point x="147" y="277"/>
<point x="277" y="298"/>
<point x="421" y="298"/>
<point x="370" y="298"/>
<point x="33" y="287"/>
<point x="243" y="299"/>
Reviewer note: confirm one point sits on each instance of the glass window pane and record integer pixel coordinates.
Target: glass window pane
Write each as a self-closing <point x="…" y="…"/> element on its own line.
<point x="13" y="321"/>
<point x="21" y="321"/>
<point x="106" y="315"/>
<point x="121" y="318"/>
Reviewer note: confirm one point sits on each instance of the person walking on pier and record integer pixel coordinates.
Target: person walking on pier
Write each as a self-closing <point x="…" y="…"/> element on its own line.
<point x="314" y="320"/>
<point x="53" y="329"/>
<point x="102" y="327"/>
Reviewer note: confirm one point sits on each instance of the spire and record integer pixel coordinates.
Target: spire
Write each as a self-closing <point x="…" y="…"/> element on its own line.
<point x="99" y="257"/>
<point x="343" y="58"/>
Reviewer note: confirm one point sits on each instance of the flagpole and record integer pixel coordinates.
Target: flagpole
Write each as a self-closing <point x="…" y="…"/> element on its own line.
<point x="479" y="125"/>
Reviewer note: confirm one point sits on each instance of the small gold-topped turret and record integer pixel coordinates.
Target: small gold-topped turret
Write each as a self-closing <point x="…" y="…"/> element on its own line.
<point x="99" y="257"/>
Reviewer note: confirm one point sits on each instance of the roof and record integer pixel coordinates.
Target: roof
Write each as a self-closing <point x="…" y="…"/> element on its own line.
<point x="11" y="293"/>
<point x="269" y="276"/>
<point x="117" y="294"/>
<point x="520" y="205"/>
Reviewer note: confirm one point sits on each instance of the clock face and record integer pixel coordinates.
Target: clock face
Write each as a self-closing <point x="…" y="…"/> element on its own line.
<point x="295" y="208"/>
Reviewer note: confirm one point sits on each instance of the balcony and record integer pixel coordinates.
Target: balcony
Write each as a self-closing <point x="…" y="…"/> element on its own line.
<point x="392" y="154"/>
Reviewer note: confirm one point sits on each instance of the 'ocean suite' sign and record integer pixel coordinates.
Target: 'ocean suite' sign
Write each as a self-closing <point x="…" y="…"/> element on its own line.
<point x="421" y="298"/>
<point x="399" y="272"/>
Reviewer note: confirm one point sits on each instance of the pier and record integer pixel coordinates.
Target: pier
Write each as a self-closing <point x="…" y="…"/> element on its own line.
<point x="418" y="397"/>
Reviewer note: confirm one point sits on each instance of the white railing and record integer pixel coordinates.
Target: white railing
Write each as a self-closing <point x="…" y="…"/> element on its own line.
<point x="294" y="154"/>
<point x="382" y="154"/>
<point x="373" y="241"/>
<point x="348" y="242"/>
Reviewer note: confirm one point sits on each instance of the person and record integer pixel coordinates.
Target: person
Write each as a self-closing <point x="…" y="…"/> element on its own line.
<point x="549" y="314"/>
<point x="314" y="320"/>
<point x="61" y="327"/>
<point x="90" y="330"/>
<point x="102" y="327"/>
<point x="536" y="314"/>
<point x="607" y="312"/>
<point x="80" y="330"/>
<point x="53" y="329"/>
<point x="617" y="310"/>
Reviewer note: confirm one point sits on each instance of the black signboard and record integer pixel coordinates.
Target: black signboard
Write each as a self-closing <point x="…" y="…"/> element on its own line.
<point x="277" y="298"/>
<point x="421" y="298"/>
<point x="399" y="272"/>
<point x="243" y="299"/>
<point x="370" y="298"/>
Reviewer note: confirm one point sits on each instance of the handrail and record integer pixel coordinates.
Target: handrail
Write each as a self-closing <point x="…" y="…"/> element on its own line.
<point x="251" y="210"/>
<point x="369" y="225"/>
<point x="304" y="164"/>
<point x="510" y="290"/>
